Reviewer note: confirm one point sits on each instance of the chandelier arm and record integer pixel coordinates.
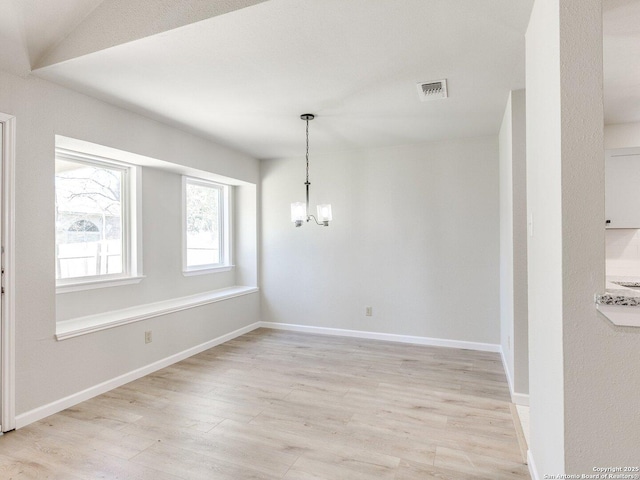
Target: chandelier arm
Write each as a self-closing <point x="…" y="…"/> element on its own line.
<point x="325" y="223"/>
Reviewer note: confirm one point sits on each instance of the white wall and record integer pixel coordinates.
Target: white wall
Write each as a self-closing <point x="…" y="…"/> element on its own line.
<point x="162" y="256"/>
<point x="414" y="235"/>
<point x="623" y="252"/>
<point x="47" y="370"/>
<point x="621" y="135"/>
<point x="520" y="280"/>
<point x="584" y="373"/>
<point x="245" y="226"/>
<point x="513" y="247"/>
<point x="505" y="141"/>
<point x="623" y="245"/>
<point x="544" y="203"/>
<point x="601" y="428"/>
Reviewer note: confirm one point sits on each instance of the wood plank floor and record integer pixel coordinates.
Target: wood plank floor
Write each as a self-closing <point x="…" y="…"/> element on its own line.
<point x="274" y="404"/>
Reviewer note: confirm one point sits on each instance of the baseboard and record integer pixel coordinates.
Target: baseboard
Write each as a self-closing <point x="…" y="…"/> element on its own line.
<point x="517" y="424"/>
<point x="507" y="372"/>
<point x="517" y="398"/>
<point x="520" y="399"/>
<point x="390" y="337"/>
<point x="66" y="402"/>
<point x="533" y="470"/>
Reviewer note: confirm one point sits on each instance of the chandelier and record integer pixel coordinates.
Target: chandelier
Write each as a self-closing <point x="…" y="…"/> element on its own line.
<point x="299" y="210"/>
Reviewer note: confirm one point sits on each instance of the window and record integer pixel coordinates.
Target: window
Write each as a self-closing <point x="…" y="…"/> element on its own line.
<point x="205" y="226"/>
<point x="95" y="219"/>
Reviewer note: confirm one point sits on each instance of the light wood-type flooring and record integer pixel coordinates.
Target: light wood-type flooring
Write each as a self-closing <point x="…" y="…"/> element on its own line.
<point x="274" y="404"/>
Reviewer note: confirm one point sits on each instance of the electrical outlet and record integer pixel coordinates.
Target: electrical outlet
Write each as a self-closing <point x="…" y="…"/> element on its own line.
<point x="147" y="337"/>
<point x="369" y="312"/>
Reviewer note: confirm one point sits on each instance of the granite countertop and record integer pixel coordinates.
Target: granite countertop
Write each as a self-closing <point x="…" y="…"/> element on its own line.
<point x="620" y="291"/>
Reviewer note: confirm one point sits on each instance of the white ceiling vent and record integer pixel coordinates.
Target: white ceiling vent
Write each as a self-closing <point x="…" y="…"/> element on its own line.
<point x="432" y="90"/>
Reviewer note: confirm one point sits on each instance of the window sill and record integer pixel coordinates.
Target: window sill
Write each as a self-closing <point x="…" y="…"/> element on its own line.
<point x="93" y="323"/>
<point x="205" y="271"/>
<point x="102" y="283"/>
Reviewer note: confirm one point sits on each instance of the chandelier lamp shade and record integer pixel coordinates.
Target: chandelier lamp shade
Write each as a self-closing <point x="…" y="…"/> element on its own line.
<point x="299" y="210"/>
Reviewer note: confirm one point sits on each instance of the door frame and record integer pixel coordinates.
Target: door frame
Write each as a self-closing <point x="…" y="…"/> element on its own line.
<point x="7" y="317"/>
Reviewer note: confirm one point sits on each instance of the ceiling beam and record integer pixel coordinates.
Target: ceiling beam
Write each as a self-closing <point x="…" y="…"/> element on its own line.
<point x="115" y="22"/>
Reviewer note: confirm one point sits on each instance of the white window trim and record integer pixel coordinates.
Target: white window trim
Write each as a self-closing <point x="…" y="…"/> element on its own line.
<point x="101" y="281"/>
<point x="204" y="271"/>
<point x="131" y="221"/>
<point x="226" y="228"/>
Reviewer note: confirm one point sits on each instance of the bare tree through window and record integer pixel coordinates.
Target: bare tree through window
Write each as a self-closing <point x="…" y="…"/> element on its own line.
<point x="88" y="195"/>
<point x="202" y="224"/>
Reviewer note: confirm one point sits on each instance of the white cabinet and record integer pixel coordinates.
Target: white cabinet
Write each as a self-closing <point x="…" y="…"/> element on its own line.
<point x="622" y="190"/>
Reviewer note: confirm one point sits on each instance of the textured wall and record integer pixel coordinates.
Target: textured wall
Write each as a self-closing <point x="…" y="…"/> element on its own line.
<point x="415" y="236"/>
<point x="622" y="135"/>
<point x="623" y="245"/>
<point x="584" y="372"/>
<point x="513" y="245"/>
<point x="544" y="204"/>
<point x="47" y="370"/>
<point x="505" y="140"/>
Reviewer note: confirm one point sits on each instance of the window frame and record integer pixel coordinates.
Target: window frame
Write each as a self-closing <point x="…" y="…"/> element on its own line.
<point x="131" y="225"/>
<point x="224" y="225"/>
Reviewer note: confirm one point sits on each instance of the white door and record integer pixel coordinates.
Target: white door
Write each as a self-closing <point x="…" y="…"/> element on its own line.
<point x="7" y="323"/>
<point x="1" y="295"/>
<point x="2" y="366"/>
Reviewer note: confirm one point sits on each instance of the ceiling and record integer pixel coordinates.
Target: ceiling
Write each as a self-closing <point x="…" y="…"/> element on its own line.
<point x="242" y="71"/>
<point x="28" y="28"/>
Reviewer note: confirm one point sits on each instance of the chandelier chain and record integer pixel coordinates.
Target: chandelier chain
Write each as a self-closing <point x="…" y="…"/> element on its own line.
<point x="307" y="150"/>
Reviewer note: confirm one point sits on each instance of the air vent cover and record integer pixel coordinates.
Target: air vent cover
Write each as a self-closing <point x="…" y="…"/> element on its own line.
<point x="432" y="90"/>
